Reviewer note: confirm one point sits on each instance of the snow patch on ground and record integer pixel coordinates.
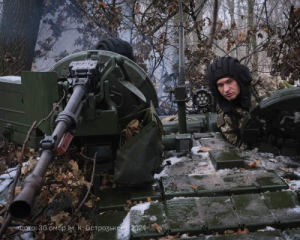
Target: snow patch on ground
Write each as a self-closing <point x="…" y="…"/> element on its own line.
<point x="295" y="210"/>
<point x="173" y="160"/>
<point x="294" y="184"/>
<point x="164" y="173"/>
<point x="141" y="207"/>
<point x="25" y="236"/>
<point x="10" y="173"/>
<point x="269" y="162"/>
<point x="4" y="184"/>
<point x="203" y="168"/>
<point x="196" y="149"/>
<point x="11" y="79"/>
<point x="267" y="229"/>
<point x="123" y="231"/>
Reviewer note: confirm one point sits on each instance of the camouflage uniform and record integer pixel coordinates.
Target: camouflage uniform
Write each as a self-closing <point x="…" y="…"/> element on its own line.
<point x="230" y="123"/>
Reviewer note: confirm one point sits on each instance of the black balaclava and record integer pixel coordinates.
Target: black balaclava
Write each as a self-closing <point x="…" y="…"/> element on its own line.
<point x="230" y="67"/>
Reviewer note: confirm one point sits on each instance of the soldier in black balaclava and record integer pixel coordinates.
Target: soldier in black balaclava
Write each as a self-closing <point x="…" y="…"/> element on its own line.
<point x="230" y="82"/>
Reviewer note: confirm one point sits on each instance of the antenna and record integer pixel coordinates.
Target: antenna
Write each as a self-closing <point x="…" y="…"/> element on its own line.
<point x="180" y="90"/>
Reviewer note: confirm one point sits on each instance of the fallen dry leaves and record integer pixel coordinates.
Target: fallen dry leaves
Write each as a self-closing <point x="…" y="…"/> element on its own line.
<point x="254" y="164"/>
<point x="287" y="170"/>
<point x="89" y="203"/>
<point x="204" y="149"/>
<point x="169" y="237"/>
<point x="17" y="190"/>
<point x="243" y="231"/>
<point x="157" y="227"/>
<point x="229" y="232"/>
<point x="73" y="165"/>
<point x="132" y="129"/>
<point x="129" y="204"/>
<point x="29" y="166"/>
<point x="175" y="118"/>
<point x="239" y="231"/>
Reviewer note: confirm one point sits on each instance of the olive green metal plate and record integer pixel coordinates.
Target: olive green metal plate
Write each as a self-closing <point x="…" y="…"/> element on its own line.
<point x="293" y="234"/>
<point x="229" y="158"/>
<point x="145" y="192"/>
<point x="188" y="166"/>
<point x="177" y="186"/>
<point x="253" y="211"/>
<point x="114" y="198"/>
<point x="198" y="215"/>
<point x="107" y="225"/>
<point x="268" y="235"/>
<point x="286" y="208"/>
<point x="30" y="101"/>
<point x="141" y="222"/>
<point x="221" y="184"/>
<point x="269" y="181"/>
<point x="182" y="215"/>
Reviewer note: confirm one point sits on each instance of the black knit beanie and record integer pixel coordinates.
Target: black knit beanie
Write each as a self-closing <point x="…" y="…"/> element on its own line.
<point x="230" y="67"/>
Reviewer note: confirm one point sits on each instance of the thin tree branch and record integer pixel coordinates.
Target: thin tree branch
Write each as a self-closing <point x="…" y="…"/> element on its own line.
<point x="214" y="24"/>
<point x="89" y="189"/>
<point x="54" y="107"/>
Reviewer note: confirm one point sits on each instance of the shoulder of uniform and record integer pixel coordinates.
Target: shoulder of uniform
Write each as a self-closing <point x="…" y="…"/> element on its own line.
<point x="218" y="109"/>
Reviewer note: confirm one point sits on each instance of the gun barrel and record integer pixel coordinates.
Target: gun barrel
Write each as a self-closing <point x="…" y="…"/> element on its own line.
<point x="21" y="206"/>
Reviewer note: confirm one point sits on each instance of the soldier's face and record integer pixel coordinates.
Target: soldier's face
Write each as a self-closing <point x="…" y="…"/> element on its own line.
<point x="229" y="88"/>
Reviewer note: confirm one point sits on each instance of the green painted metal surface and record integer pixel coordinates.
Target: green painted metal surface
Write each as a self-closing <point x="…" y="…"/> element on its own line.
<point x="285" y="207"/>
<point x="253" y="211"/>
<point x="178" y="186"/>
<point x="221" y="184"/>
<point x="268" y="235"/>
<point x="137" y="75"/>
<point x="107" y="225"/>
<point x="293" y="234"/>
<point x="114" y="198"/>
<point x="192" y="126"/>
<point x="228" y="158"/>
<point x="30" y="101"/>
<point x="106" y="123"/>
<point x="141" y="222"/>
<point x="143" y="193"/>
<point x="200" y="214"/>
<point x="172" y="142"/>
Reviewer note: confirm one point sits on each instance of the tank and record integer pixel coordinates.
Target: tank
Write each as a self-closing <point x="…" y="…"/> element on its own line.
<point x="216" y="189"/>
<point x="204" y="187"/>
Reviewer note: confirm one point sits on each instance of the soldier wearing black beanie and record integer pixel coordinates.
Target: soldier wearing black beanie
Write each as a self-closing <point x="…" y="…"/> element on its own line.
<point x="230" y="82"/>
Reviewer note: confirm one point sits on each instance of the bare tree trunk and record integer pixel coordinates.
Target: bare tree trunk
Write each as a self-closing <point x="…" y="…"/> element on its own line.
<point x="18" y="34"/>
<point x="252" y="37"/>
<point x="230" y="4"/>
